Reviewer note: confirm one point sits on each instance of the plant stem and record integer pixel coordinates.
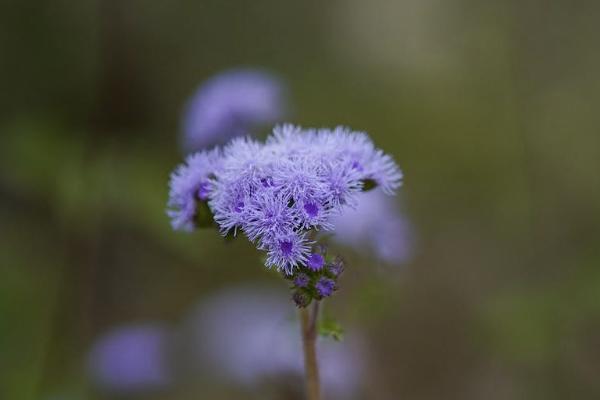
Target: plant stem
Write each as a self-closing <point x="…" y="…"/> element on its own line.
<point x="309" y="341"/>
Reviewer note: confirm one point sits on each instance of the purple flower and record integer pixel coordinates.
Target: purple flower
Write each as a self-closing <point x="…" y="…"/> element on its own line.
<point x="190" y="183"/>
<point x="301" y="280"/>
<point x="131" y="359"/>
<point x="298" y="180"/>
<point x="286" y="252"/>
<point x="325" y="287"/>
<point x="268" y="216"/>
<point x="315" y="262"/>
<point x="375" y="223"/>
<point x="343" y="184"/>
<point x="232" y="103"/>
<point x="203" y="190"/>
<point x="245" y="170"/>
<point x="278" y="191"/>
<point x="311" y="208"/>
<point x="351" y="152"/>
<point x="357" y="152"/>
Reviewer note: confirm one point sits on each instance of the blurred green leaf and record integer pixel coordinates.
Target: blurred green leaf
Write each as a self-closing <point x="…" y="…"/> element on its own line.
<point x="328" y="327"/>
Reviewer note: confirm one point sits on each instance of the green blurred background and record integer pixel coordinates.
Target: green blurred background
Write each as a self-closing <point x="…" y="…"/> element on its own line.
<point x="490" y="108"/>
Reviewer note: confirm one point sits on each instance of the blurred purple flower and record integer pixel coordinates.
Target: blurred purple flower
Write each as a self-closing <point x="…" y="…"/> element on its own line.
<point x="336" y="267"/>
<point x="131" y="359"/>
<point x="377" y="224"/>
<point x="229" y="104"/>
<point x="247" y="335"/>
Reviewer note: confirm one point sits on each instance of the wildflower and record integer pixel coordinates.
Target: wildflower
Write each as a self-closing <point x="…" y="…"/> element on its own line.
<point x="325" y="287"/>
<point x="315" y="262"/>
<point x="286" y="252"/>
<point x="279" y="191"/>
<point x="356" y="151"/>
<point x="301" y="280"/>
<point x="191" y="183"/>
<point x="343" y="184"/>
<point x="268" y="216"/>
<point x="232" y="103"/>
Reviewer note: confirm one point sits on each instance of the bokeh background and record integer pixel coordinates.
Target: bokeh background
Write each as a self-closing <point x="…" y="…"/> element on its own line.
<point x="490" y="108"/>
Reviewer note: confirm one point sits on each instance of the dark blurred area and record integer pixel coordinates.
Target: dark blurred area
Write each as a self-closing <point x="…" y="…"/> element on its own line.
<point x="490" y="108"/>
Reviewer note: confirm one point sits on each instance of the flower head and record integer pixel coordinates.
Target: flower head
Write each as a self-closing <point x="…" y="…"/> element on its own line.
<point x="190" y="183"/>
<point x="230" y="104"/>
<point x="268" y="216"/>
<point x="278" y="191"/>
<point x="315" y="262"/>
<point x="301" y="280"/>
<point x="287" y="251"/>
<point x="355" y="151"/>
<point x="325" y="287"/>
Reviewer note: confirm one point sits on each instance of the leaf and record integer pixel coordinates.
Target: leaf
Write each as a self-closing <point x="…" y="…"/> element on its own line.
<point x="329" y="327"/>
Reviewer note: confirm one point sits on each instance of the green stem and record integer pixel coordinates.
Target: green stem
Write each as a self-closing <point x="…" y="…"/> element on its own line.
<point x="309" y="341"/>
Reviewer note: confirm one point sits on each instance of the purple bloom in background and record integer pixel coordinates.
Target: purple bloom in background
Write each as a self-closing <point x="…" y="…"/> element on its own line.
<point x="131" y="359"/>
<point x="246" y="335"/>
<point x="375" y="223"/>
<point x="232" y="103"/>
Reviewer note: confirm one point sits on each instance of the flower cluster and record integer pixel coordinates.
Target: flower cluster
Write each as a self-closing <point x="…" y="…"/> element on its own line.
<point x="280" y="192"/>
<point x="318" y="280"/>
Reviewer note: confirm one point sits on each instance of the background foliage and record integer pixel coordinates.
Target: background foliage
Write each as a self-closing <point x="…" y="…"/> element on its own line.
<point x="489" y="107"/>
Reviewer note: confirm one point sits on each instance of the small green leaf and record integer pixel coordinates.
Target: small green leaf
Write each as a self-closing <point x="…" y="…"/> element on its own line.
<point x="368" y="184"/>
<point x="331" y="328"/>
